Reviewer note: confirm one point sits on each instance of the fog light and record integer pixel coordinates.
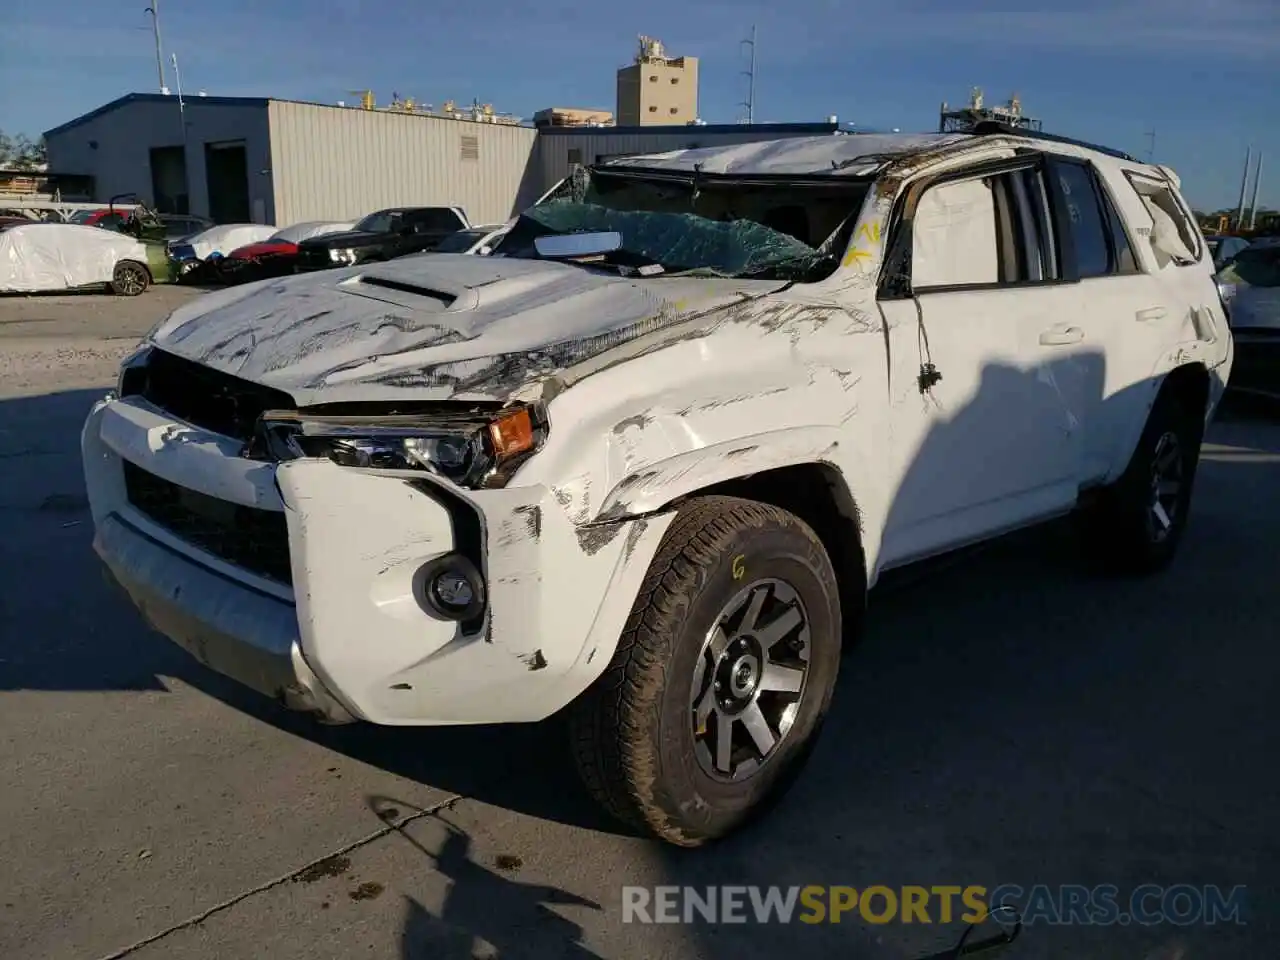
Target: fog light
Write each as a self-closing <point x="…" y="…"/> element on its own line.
<point x="453" y="587"/>
<point x="451" y="590"/>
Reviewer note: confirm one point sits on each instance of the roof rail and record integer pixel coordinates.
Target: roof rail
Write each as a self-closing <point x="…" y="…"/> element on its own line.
<point x="986" y="128"/>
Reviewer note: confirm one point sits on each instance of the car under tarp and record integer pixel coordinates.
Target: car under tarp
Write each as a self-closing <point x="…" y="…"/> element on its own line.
<point x="42" y="257"/>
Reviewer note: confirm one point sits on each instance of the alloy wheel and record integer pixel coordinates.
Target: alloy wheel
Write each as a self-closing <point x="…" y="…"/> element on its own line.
<point x="1167" y="479"/>
<point x="749" y="680"/>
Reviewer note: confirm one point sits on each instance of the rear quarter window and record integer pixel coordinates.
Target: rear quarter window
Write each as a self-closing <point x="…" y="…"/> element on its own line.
<point x="1161" y="200"/>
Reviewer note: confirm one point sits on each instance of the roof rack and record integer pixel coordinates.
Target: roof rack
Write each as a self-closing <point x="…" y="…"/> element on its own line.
<point x="986" y="128"/>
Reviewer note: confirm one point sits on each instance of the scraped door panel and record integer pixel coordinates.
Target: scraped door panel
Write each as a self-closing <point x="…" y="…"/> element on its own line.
<point x="986" y="384"/>
<point x="995" y="443"/>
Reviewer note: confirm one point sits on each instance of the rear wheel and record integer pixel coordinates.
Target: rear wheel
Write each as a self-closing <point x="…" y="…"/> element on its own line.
<point x="1137" y="523"/>
<point x="129" y="279"/>
<point x="721" y="679"/>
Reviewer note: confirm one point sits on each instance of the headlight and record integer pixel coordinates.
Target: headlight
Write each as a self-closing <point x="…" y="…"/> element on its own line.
<point x="343" y="256"/>
<point x="471" y="446"/>
<point x="133" y="371"/>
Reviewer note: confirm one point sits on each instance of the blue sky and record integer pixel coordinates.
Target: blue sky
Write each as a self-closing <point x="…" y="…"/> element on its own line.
<point x="1204" y="74"/>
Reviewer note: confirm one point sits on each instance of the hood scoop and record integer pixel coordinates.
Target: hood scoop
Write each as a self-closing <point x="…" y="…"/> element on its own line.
<point x="408" y="294"/>
<point x="385" y="283"/>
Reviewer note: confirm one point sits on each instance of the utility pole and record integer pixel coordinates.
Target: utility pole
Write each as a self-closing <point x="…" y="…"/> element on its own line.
<point x="1253" y="204"/>
<point x="750" y="102"/>
<point x="1151" y="145"/>
<point x="1244" y="186"/>
<point x="154" y="10"/>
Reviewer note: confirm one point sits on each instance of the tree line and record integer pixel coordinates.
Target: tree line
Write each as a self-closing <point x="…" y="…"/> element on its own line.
<point x="20" y="152"/>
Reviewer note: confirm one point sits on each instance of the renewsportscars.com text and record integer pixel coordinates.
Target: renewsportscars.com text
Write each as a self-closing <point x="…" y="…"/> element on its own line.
<point x="1066" y="904"/>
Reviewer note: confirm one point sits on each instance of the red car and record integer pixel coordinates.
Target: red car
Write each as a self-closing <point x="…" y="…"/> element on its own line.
<point x="275" y="256"/>
<point x="106" y="217"/>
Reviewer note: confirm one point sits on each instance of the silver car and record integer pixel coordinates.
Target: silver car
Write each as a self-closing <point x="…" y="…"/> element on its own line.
<point x="1251" y="286"/>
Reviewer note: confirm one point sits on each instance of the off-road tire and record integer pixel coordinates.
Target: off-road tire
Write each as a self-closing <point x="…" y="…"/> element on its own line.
<point x="130" y="278"/>
<point x="1116" y="535"/>
<point x="632" y="731"/>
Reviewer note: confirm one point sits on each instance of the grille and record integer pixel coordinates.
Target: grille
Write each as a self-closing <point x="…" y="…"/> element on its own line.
<point x="314" y="258"/>
<point x="253" y="539"/>
<point x="202" y="396"/>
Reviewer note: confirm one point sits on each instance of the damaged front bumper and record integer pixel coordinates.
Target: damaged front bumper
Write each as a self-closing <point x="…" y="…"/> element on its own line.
<point x="306" y="580"/>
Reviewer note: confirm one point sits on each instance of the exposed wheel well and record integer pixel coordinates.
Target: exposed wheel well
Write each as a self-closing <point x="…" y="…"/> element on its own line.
<point x="818" y="495"/>
<point x="1190" y="384"/>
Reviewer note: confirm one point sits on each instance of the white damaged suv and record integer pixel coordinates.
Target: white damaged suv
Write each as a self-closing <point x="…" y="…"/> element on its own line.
<point x="647" y="459"/>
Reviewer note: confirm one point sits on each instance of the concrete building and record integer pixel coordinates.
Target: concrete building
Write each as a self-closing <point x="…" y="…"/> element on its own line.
<point x="657" y="90"/>
<point x="239" y="160"/>
<point x="274" y="161"/>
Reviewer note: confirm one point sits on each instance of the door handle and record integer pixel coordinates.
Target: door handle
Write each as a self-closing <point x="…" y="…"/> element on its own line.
<point x="1151" y="313"/>
<point x="1061" y="335"/>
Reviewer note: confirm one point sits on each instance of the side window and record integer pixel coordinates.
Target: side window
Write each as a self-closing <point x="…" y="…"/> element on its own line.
<point x="986" y="232"/>
<point x="435" y="218"/>
<point x="1124" y="262"/>
<point x="953" y="236"/>
<point x="1090" y="230"/>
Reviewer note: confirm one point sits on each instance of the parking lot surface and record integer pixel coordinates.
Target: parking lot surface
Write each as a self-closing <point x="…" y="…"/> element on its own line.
<point x="1006" y="720"/>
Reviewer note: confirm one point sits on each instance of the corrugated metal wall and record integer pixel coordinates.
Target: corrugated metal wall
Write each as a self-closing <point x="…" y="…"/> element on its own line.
<point x="114" y="148"/>
<point x="341" y="163"/>
<point x="556" y="147"/>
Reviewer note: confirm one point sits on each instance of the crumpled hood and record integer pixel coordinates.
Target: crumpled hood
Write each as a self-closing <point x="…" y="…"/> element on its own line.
<point x="439" y="325"/>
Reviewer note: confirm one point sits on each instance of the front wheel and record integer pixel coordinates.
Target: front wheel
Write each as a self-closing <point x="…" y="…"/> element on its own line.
<point x="722" y="677"/>
<point x="129" y="279"/>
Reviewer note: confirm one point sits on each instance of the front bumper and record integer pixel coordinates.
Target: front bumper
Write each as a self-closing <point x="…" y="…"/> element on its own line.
<point x="345" y="631"/>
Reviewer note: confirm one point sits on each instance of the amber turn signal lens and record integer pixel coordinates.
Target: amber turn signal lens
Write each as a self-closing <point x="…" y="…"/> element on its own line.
<point x="512" y="434"/>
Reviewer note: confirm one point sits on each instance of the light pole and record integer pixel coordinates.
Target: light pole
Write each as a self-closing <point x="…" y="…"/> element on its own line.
<point x="154" y="10"/>
<point x="750" y="102"/>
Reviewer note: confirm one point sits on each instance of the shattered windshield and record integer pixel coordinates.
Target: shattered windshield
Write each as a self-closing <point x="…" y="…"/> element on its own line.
<point x="771" y="232"/>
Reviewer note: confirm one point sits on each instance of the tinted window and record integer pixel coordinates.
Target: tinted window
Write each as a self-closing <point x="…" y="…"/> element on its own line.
<point x="1123" y="259"/>
<point x="1089" y="230"/>
<point x="384" y="221"/>
<point x="460" y="242"/>
<point x="433" y="218"/>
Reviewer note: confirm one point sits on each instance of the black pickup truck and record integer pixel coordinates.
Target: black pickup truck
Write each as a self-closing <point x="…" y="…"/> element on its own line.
<point x="383" y="235"/>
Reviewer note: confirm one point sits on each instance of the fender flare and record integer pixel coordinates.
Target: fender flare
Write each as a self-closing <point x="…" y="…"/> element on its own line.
<point x="1191" y="353"/>
<point x="650" y="487"/>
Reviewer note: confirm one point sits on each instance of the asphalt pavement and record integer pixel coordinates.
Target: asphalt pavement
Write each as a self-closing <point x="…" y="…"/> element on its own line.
<point x="1007" y="720"/>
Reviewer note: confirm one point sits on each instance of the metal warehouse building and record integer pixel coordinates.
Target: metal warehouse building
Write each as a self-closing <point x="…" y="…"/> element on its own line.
<point x="238" y="160"/>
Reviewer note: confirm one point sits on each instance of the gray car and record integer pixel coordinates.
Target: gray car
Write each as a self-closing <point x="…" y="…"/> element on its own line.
<point x="1251" y="286"/>
<point x="1225" y="249"/>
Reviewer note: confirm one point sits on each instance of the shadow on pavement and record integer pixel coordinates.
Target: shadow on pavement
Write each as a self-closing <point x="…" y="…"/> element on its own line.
<point x="485" y="914"/>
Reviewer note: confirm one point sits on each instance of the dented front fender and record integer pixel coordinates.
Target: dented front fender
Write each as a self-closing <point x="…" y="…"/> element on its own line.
<point x="665" y="481"/>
